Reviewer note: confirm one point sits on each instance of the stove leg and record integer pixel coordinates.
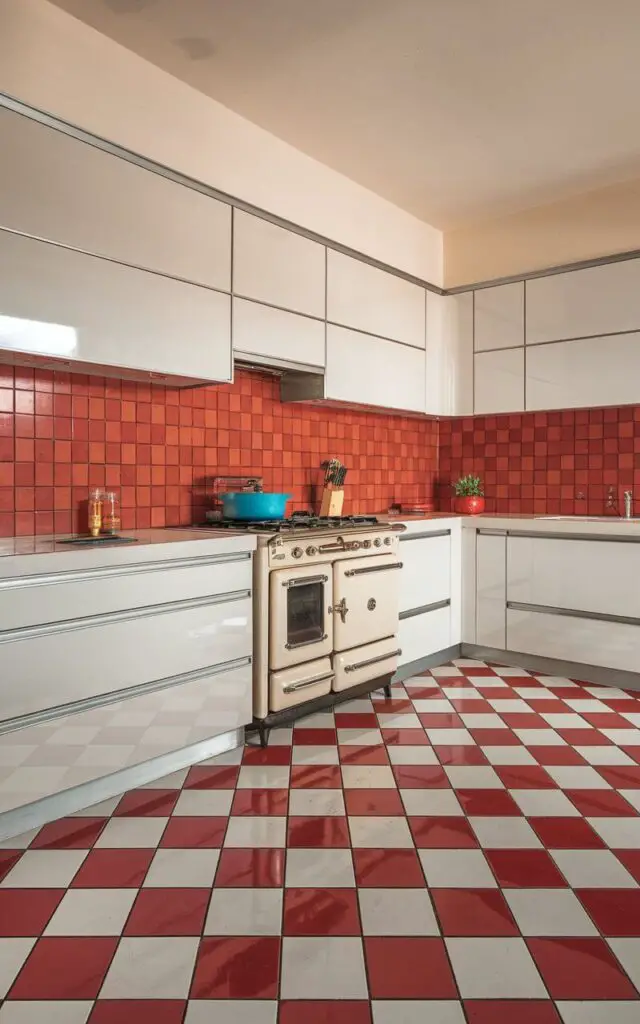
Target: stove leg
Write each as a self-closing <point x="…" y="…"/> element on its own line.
<point x="387" y="691"/>
<point x="263" y="733"/>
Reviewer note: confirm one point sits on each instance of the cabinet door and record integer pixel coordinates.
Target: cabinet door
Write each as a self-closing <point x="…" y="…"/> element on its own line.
<point x="598" y="300"/>
<point x="584" y="641"/>
<point x="277" y="266"/>
<point x="63" y="304"/>
<point x="499" y="317"/>
<point x="275" y="334"/>
<point x="426" y="570"/>
<point x="423" y="635"/>
<point x="372" y="371"/>
<point x="587" y="372"/>
<point x="449" y="363"/>
<point x="361" y="296"/>
<point x="491" y="590"/>
<point x="499" y="381"/>
<point x="55" y="187"/>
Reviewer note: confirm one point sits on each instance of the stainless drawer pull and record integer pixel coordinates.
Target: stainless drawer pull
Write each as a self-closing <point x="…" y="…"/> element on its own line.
<point x="292" y="687"/>
<point x="372" y="661"/>
<point x="304" y="581"/>
<point x="373" y="568"/>
<point x="305" y="643"/>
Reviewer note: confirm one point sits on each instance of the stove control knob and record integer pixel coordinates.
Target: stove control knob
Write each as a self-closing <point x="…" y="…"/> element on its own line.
<point x="387" y="541"/>
<point x="354" y="545"/>
<point x="378" y="542"/>
<point x="297" y="552"/>
<point x="312" y="551"/>
<point x="366" y="543"/>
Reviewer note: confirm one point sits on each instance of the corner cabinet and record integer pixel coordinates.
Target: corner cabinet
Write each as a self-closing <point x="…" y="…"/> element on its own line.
<point x="373" y="371"/>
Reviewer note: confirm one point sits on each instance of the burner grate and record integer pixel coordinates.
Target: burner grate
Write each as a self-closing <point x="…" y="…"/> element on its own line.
<point x="297" y="521"/>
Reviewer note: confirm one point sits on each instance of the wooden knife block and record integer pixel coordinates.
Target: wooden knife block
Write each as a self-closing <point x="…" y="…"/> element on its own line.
<point x="332" y="501"/>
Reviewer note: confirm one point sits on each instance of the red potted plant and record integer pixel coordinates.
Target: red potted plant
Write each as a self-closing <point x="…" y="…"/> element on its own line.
<point x="469" y="495"/>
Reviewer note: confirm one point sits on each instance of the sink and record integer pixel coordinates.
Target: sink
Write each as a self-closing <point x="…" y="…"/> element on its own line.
<point x="593" y="519"/>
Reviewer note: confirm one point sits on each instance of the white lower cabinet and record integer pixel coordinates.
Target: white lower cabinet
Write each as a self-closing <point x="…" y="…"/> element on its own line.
<point x="583" y="640"/>
<point x="491" y="590"/>
<point x="426" y="569"/>
<point x="422" y="635"/>
<point x="372" y="371"/>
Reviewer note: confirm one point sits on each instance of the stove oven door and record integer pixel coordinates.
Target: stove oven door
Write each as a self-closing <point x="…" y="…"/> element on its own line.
<point x="365" y="600"/>
<point x="300" y="617"/>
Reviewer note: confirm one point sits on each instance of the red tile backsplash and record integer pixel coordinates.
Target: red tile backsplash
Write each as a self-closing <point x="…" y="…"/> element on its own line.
<point x="62" y="433"/>
<point x="544" y="462"/>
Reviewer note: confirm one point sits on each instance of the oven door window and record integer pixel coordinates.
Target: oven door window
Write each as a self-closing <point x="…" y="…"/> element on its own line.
<point x="300" y="623"/>
<point x="305" y="614"/>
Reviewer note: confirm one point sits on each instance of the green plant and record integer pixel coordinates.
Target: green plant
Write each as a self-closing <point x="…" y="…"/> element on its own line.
<point x="469" y="487"/>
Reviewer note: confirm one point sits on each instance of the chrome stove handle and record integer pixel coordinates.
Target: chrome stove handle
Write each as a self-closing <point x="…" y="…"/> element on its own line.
<point x="341" y="609"/>
<point x="373" y="568"/>
<point x="303" y="581"/>
<point x="338" y="546"/>
<point x="373" y="661"/>
<point x="293" y="687"/>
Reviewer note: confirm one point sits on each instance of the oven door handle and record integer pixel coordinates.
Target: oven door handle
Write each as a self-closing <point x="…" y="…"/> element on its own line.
<point x="293" y="687"/>
<point x="303" y="581"/>
<point x="373" y="661"/>
<point x="373" y="568"/>
<point x="305" y="643"/>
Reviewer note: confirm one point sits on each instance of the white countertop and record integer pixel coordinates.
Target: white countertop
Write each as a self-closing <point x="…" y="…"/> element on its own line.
<point x="613" y="526"/>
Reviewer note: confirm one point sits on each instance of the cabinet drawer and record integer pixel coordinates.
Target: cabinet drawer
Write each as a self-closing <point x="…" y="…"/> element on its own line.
<point x="426" y="570"/>
<point x="367" y="662"/>
<point x="422" y="635"/>
<point x="31" y="600"/>
<point x="300" y="683"/>
<point x="64" y="663"/>
<point x="585" y="641"/>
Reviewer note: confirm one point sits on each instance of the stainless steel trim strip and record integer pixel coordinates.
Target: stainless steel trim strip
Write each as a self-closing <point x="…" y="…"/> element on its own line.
<point x="424" y="536"/>
<point x="115" y="571"/>
<point x="604" y="538"/>
<point x="492" y="533"/>
<point x="530" y="275"/>
<point x="115" y="696"/>
<point x="373" y="661"/>
<point x="373" y="568"/>
<point x="424" y="609"/>
<point x="303" y="581"/>
<point x="128" y="615"/>
<point x="293" y="687"/>
<point x="272" y="363"/>
<point x="572" y="613"/>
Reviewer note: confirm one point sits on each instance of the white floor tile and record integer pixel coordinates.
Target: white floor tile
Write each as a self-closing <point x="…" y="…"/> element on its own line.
<point x="204" y="803"/>
<point x="633" y="717"/>
<point x="13" y="953"/>
<point x="487" y="721"/>
<point x="252" y="831"/>
<point x="408" y="1011"/>
<point x="473" y="777"/>
<point x="103" y="809"/>
<point x="578" y="776"/>
<point x="461" y="693"/>
<point x="456" y="869"/>
<point x="565" y="720"/>
<point x="547" y="912"/>
<point x="561" y="682"/>
<point x="606" y="755"/>
<point x="45" y="1012"/>
<point x="173" y="781"/>
<point x="151" y="968"/>
<point x="44" y="869"/>
<point x="504" y="833"/>
<point x="532" y="693"/>
<point x="315" y="755"/>
<point x="632" y="796"/>
<point x="399" y="721"/>
<point x="593" y="869"/>
<point x="312" y="968"/>
<point x="482" y="683"/>
<point x="231" y="1011"/>
<point x="397" y="912"/>
<point x="510" y="707"/>
<point x="442" y="671"/>
<point x="623" y="737"/>
<point x="628" y="953"/>
<point x="131" y="833"/>
<point x="281" y="737"/>
<point x="22" y="841"/>
<point x="429" y="802"/>
<point x="419" y="683"/>
<point x="618" y="833"/>
<point x="319" y="869"/>
<point x="189" y="869"/>
<point x="367" y="776"/>
<point x="377" y="832"/>
<point x="359" y="706"/>
<point x="604" y="1012"/>
<point x="244" y="912"/>
<point x="513" y="672"/>
<point x="495" y="969"/>
<point x="360" y="737"/>
<point x="508" y="755"/>
<point x="608" y="692"/>
<point x="585" y="705"/>
<point x="450" y="737"/>
<point x="435" y="706"/>
<point x="319" y="720"/>
<point x="267" y="777"/>
<point x="540" y="738"/>
<point x="402" y="754"/>
<point x="544" y="803"/>
<point x="304" y="802"/>
<point x="92" y="912"/>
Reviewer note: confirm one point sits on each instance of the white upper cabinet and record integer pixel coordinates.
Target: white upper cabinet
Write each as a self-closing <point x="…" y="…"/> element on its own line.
<point x="55" y="187"/>
<point x="368" y="299"/>
<point x="270" y="333"/>
<point x="277" y="266"/>
<point x="583" y="373"/>
<point x="499" y="381"/>
<point x="499" y="316"/>
<point x="582" y="303"/>
<point x="57" y="303"/>
<point x="372" y="371"/>
<point x="449" y="362"/>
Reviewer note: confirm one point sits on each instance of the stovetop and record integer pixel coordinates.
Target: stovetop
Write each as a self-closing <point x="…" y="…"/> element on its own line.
<point x="296" y="522"/>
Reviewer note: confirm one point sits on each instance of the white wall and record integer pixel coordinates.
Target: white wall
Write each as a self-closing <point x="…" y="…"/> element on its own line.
<point x="58" y="64"/>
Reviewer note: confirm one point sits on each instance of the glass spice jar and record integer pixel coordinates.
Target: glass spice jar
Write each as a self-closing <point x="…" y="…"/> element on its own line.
<point x="95" y="512"/>
<point x="110" y="513"/>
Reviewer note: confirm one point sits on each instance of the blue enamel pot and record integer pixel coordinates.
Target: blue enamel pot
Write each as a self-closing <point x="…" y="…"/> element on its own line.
<point x="254" y="505"/>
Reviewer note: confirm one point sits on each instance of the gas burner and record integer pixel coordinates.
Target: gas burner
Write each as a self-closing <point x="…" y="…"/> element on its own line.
<point x="297" y="521"/>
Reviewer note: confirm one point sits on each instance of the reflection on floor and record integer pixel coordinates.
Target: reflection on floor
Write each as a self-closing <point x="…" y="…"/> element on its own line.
<point x="468" y="851"/>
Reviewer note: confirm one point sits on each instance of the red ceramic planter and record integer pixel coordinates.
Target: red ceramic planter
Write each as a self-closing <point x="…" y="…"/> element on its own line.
<point x="469" y="506"/>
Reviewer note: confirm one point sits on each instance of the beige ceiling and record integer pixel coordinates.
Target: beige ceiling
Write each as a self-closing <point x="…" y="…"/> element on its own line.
<point x="456" y="110"/>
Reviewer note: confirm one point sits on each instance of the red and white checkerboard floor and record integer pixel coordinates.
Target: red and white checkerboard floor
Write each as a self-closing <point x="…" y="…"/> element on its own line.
<point x="468" y="851"/>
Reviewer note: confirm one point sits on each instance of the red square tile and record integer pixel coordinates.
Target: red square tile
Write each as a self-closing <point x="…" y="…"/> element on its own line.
<point x="138" y="1011"/>
<point x="405" y="737"/>
<point x="506" y="1011"/>
<point x="614" y="911"/>
<point x="605" y="719"/>
<point x="482" y="912"/>
<point x="488" y="802"/>
<point x="321" y="912"/>
<point x="396" y="706"/>
<point x="631" y="861"/>
<point x="317" y="831"/>
<point x="315" y="776"/>
<point x="69" y="834"/>
<point x="330" y="1012"/>
<point x="243" y="869"/>
<point x="194" y="833"/>
<point x="526" y="776"/>
<point x="556" y="755"/>
<point x="278" y="755"/>
<point x="580" y="969"/>
<point x="147" y="803"/>
<point x="442" y="833"/>
<point x="361" y="802"/>
<point x="525" y="869"/>
<point x="440" y="720"/>
<point x="601" y="803"/>
<point x="495" y="738"/>
<point x="460" y="755"/>
<point x="237" y="968"/>
<point x="64" y="968"/>
<point x="27" y="911"/>
<point x="374" y="754"/>
<point x="388" y="869"/>
<point x="212" y="777"/>
<point x="314" y="737"/>
<point x="585" y="737"/>
<point x="623" y="777"/>
<point x="8" y="860"/>
<point x="260" y="801"/>
<point x="420" y="776"/>
<point x="523" y="720"/>
<point x="566" y="834"/>
<point x="361" y="720"/>
<point x="408" y="968"/>
<point x="168" y="912"/>
<point x="113" y="869"/>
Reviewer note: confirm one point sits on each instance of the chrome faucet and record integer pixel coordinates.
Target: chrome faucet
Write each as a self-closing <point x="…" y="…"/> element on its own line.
<point x="628" y="504"/>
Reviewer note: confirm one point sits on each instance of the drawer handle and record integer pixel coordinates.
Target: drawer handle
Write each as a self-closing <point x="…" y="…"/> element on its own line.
<point x="373" y="661"/>
<point x="373" y="568"/>
<point x="305" y="643"/>
<point x="303" y="581"/>
<point x="292" y="687"/>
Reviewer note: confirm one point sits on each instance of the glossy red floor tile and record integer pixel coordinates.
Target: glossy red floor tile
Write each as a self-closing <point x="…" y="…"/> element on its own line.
<point x="69" y="834"/>
<point x="210" y="777"/>
<point x="361" y="802"/>
<point x="147" y="803"/>
<point x="194" y="833"/>
<point x="580" y="969"/>
<point x="614" y="912"/>
<point x="525" y="869"/>
<point x="64" y="968"/>
<point x="251" y="868"/>
<point x="166" y="911"/>
<point x="481" y="803"/>
<point x="329" y="1012"/>
<point x="27" y="911"/>
<point x="508" y="1011"/>
<point x="260" y="801"/>
<point x="420" y="776"/>
<point x="243" y="967"/>
<point x="312" y="776"/>
<point x="138" y="1011"/>
<point x="446" y="833"/>
<point x="408" y="968"/>
<point x="113" y="869"/>
<point x="388" y="869"/>
<point x="473" y="912"/>
<point x="318" y="832"/>
<point x="566" y="833"/>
